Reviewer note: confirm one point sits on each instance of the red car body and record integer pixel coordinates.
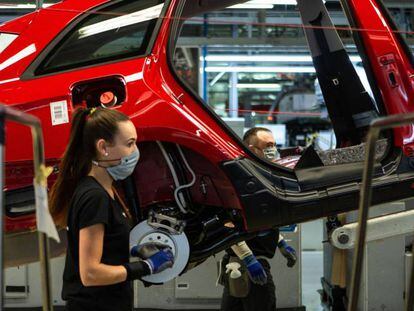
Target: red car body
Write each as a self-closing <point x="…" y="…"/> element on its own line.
<point x="255" y="194"/>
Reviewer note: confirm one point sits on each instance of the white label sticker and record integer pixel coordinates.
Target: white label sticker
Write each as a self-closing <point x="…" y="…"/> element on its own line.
<point x="59" y="112"/>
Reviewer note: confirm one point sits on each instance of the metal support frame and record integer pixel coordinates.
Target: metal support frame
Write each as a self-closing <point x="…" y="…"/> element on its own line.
<point x="202" y="74"/>
<point x="217" y="78"/>
<point x="233" y="95"/>
<point x="39" y="159"/>
<point x="379" y="228"/>
<point x="203" y="83"/>
<point x="365" y="200"/>
<point x="233" y="80"/>
<point x="39" y="4"/>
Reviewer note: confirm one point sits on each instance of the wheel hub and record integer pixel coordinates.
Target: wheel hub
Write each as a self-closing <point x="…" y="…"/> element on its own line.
<point x="144" y="233"/>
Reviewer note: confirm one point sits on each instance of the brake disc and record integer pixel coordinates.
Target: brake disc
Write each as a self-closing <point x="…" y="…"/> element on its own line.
<point x="143" y="233"/>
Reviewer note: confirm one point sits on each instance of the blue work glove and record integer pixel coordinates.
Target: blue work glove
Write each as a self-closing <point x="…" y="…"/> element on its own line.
<point x="256" y="272"/>
<point x="158" y="256"/>
<point x="160" y="261"/>
<point x="288" y="252"/>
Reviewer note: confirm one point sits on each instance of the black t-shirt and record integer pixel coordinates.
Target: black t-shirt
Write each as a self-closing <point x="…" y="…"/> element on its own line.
<point x="91" y="205"/>
<point x="264" y="244"/>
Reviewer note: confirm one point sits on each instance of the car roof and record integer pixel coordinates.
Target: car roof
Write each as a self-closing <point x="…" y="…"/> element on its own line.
<point x="36" y="31"/>
<point x="18" y="25"/>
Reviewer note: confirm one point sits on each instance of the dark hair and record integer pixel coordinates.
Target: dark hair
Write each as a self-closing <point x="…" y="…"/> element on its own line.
<point x="88" y="126"/>
<point x="252" y="133"/>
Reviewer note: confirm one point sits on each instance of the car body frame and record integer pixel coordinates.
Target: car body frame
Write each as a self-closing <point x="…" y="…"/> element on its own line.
<point x="183" y="143"/>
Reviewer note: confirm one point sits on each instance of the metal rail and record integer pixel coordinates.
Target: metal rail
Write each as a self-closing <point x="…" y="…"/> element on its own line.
<point x="39" y="4"/>
<point x="39" y="160"/>
<point x="365" y="200"/>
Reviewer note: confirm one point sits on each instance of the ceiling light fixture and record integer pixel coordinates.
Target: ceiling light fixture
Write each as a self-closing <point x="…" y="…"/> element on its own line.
<point x="23" y="6"/>
<point x="279" y="69"/>
<point x="263" y="4"/>
<point x="251" y="6"/>
<point x="268" y="58"/>
<point x="270" y="86"/>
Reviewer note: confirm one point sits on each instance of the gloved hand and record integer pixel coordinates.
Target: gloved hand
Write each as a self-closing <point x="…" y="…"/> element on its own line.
<point x="255" y="270"/>
<point x="158" y="256"/>
<point x="288" y="252"/>
<point x="146" y="250"/>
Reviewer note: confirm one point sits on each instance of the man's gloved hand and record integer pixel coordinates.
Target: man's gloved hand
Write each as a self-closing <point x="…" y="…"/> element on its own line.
<point x="288" y="252"/>
<point x="255" y="270"/>
<point x="158" y="256"/>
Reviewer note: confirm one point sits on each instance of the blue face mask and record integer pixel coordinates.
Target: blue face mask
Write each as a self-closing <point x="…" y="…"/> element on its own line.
<point x="125" y="168"/>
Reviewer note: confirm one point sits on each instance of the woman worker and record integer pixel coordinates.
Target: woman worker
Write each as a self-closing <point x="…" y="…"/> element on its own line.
<point x="102" y="149"/>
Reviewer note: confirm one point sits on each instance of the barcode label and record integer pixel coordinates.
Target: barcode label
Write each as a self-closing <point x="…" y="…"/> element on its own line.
<point x="59" y="112"/>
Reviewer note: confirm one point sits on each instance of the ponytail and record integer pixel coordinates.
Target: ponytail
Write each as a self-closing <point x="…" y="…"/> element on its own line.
<point x="88" y="126"/>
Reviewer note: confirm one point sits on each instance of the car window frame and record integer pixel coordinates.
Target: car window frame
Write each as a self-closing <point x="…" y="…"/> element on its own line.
<point x="30" y="74"/>
<point x="408" y="51"/>
<point x="282" y="170"/>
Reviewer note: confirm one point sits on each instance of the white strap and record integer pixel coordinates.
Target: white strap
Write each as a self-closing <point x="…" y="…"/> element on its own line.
<point x="241" y="250"/>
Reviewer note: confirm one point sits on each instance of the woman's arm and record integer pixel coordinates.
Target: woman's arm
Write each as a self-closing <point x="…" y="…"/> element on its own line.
<point x="92" y="271"/>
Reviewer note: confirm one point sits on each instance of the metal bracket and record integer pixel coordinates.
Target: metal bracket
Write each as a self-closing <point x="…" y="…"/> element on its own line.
<point x="377" y="228"/>
<point x="160" y="221"/>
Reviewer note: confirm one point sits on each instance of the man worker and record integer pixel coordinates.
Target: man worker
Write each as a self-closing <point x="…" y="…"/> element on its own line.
<point x="254" y="254"/>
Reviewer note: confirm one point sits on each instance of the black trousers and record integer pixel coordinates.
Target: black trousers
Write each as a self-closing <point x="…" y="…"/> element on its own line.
<point x="260" y="297"/>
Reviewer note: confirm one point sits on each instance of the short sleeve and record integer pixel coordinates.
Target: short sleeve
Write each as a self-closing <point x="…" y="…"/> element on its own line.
<point x="93" y="208"/>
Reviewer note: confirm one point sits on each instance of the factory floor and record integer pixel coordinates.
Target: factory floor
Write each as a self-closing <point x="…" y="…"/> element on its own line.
<point x="312" y="271"/>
